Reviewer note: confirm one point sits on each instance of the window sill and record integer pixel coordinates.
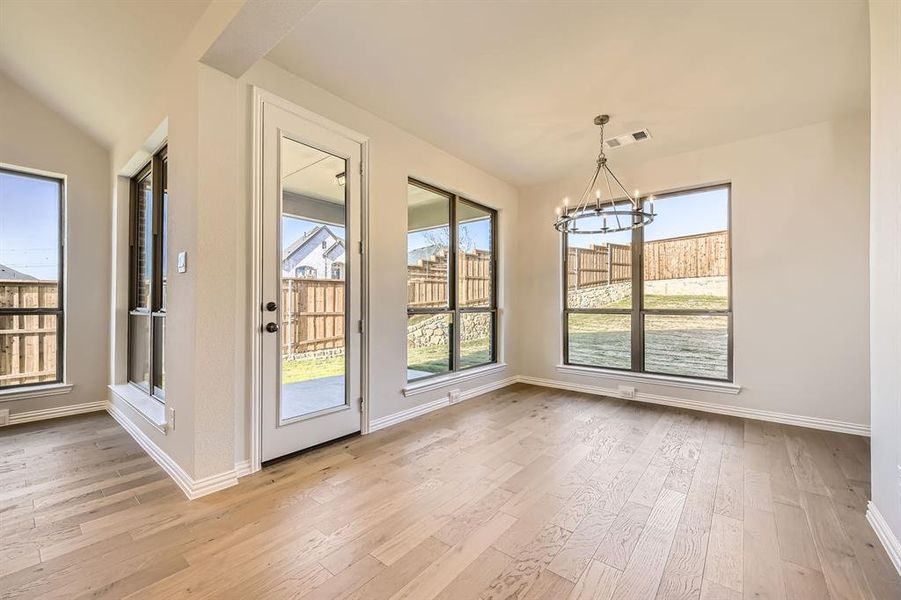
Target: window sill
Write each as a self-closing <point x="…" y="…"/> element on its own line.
<point x="153" y="411"/>
<point x="722" y="387"/>
<point x="434" y="383"/>
<point x="35" y="391"/>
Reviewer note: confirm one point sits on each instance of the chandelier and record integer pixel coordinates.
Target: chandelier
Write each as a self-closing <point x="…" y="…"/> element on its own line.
<point x="592" y="214"/>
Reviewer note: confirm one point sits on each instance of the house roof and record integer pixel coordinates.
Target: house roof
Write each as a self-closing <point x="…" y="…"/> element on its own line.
<point x="10" y="273"/>
<point x="425" y="253"/>
<point x="303" y="241"/>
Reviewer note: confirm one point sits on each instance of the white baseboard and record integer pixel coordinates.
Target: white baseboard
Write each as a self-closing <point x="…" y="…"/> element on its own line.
<point x="884" y="533"/>
<point x="710" y="407"/>
<point x="52" y="413"/>
<point x="421" y="409"/>
<point x="242" y="468"/>
<point x="192" y="488"/>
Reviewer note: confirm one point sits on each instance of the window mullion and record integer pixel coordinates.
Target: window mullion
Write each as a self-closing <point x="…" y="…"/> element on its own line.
<point x="637" y="300"/>
<point x="453" y="300"/>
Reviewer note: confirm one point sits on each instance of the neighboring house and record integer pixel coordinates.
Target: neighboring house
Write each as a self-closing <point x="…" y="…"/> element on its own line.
<point x="319" y="254"/>
<point x="8" y="274"/>
<point x="426" y="253"/>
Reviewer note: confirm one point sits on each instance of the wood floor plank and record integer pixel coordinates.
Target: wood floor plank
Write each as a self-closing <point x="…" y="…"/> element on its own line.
<point x="522" y="493"/>
<point x="442" y="572"/>
<point x="642" y="575"/>
<point x="617" y="545"/>
<point x="844" y="577"/>
<point x="762" y="568"/>
<point x="598" y="582"/>
<point x="724" y="553"/>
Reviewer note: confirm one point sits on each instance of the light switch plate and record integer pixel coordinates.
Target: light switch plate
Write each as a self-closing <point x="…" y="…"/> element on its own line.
<point x="182" y="262"/>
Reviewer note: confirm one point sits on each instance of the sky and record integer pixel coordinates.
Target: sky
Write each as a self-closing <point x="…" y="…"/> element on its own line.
<point x="29" y="225"/>
<point x="685" y="214"/>
<point x="294" y="228"/>
<point x="476" y="234"/>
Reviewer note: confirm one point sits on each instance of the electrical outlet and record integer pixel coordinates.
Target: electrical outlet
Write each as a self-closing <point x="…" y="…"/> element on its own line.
<point x="453" y="396"/>
<point x="4" y="417"/>
<point x="170" y="422"/>
<point x="627" y="392"/>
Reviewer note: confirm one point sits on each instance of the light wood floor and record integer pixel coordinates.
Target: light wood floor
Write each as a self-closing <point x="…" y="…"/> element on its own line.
<point x="523" y="493"/>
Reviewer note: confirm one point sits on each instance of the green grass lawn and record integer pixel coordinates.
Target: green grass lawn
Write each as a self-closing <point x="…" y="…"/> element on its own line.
<point x="689" y="345"/>
<point x="432" y="359"/>
<point x="676" y="302"/>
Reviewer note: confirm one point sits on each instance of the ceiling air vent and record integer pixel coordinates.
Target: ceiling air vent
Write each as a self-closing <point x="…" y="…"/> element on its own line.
<point x="628" y="138"/>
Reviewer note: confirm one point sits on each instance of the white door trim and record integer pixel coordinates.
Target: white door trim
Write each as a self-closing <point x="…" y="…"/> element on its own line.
<point x="260" y="98"/>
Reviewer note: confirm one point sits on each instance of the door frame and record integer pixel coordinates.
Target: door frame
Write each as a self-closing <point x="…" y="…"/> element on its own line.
<point x="262" y="97"/>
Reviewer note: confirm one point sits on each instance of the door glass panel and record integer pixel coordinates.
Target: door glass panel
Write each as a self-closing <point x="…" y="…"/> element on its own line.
<point x="313" y="272"/>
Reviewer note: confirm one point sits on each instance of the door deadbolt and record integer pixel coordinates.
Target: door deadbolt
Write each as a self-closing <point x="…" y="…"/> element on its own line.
<point x="271" y="306"/>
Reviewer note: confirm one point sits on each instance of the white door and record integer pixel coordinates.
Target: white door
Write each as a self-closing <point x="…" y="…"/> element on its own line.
<point x="311" y="309"/>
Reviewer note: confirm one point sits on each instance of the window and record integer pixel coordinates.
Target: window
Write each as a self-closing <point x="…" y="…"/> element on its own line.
<point x="655" y="299"/>
<point x="31" y="279"/>
<point x="337" y="270"/>
<point x="451" y="296"/>
<point x="306" y="272"/>
<point x="149" y="277"/>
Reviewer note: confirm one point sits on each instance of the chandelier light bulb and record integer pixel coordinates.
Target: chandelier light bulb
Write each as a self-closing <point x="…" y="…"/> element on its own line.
<point x="558" y="211"/>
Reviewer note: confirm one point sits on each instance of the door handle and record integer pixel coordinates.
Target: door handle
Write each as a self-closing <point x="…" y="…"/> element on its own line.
<point x="271" y="306"/>
<point x="271" y="327"/>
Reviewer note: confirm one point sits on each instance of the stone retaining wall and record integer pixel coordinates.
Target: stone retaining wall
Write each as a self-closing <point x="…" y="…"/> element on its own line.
<point x="433" y="331"/>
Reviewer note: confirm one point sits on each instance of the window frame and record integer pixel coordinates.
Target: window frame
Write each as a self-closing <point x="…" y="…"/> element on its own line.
<point x="638" y="312"/>
<point x="453" y="307"/>
<point x="157" y="169"/>
<point x="60" y="310"/>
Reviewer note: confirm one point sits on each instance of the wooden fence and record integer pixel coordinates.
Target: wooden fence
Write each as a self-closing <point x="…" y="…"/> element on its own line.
<point x="703" y="255"/>
<point x="312" y="314"/>
<point x="27" y="342"/>
<point x="598" y="265"/>
<point x="427" y="280"/>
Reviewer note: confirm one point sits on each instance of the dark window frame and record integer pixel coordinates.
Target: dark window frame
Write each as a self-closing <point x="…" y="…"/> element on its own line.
<point x="453" y="305"/>
<point x="638" y="312"/>
<point x="59" y="311"/>
<point x="157" y="170"/>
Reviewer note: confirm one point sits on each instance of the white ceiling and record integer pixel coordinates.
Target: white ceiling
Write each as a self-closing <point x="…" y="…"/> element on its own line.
<point x="311" y="172"/>
<point x="513" y="86"/>
<point x="93" y="60"/>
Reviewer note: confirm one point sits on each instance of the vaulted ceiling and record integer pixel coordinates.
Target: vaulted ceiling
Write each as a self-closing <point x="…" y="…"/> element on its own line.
<point x="513" y="86"/>
<point x="93" y="61"/>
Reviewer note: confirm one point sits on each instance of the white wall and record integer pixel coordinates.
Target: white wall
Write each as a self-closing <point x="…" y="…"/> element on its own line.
<point x="885" y="259"/>
<point x="33" y="136"/>
<point x="799" y="232"/>
<point x="394" y="156"/>
<point x="198" y="105"/>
